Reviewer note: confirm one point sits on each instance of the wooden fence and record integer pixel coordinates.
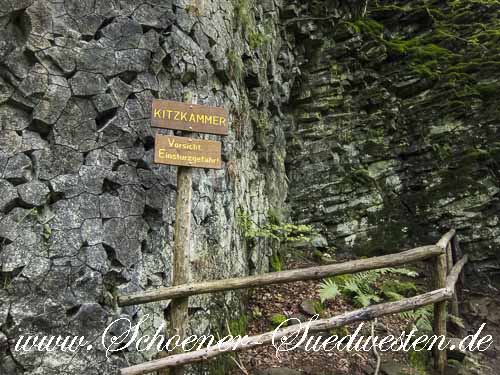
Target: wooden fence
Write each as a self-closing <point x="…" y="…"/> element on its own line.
<point x="447" y="261"/>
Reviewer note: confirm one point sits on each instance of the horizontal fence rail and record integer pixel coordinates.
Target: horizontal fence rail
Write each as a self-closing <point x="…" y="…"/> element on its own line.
<point x="367" y="313"/>
<point x="312" y="273"/>
<point x="448" y="267"/>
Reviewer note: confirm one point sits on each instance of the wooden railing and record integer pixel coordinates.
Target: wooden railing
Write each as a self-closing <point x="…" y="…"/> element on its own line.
<point x="448" y="265"/>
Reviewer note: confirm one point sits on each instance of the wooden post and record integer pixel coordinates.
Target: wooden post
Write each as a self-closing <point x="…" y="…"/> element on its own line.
<point x="179" y="307"/>
<point x="182" y="246"/>
<point x="457" y="255"/>
<point x="440" y="360"/>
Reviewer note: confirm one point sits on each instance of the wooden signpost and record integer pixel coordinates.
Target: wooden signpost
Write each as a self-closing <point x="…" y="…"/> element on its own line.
<point x="186" y="153"/>
<point x="189" y="117"/>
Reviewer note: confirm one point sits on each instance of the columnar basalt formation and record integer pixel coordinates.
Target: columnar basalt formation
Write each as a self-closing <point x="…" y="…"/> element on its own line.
<point x="377" y="122"/>
<point x="85" y="214"/>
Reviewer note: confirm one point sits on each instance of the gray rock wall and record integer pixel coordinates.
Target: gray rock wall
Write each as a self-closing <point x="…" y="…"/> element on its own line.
<point x="393" y="134"/>
<point x="85" y="214"/>
<point x="386" y="127"/>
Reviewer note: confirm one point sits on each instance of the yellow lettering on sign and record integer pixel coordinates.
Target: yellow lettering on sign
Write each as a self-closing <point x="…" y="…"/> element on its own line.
<point x="185" y="146"/>
<point x="189" y="117"/>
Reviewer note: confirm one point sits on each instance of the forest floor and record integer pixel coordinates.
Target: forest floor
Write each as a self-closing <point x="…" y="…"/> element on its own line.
<point x="289" y="300"/>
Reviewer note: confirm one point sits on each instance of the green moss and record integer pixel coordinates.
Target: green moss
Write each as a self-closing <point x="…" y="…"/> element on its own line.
<point x="238" y="326"/>
<point x="396" y="287"/>
<point x="317" y="255"/>
<point x="488" y="90"/>
<point x="419" y="360"/>
<point x="429" y="69"/>
<point x="367" y="26"/>
<point x="474" y="66"/>
<point x="275" y="262"/>
<point x="418" y="49"/>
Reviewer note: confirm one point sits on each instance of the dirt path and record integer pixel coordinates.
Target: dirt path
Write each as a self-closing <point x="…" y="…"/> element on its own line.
<point x="285" y="301"/>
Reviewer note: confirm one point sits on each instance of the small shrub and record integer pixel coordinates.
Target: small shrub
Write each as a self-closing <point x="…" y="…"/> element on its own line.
<point x="278" y="319"/>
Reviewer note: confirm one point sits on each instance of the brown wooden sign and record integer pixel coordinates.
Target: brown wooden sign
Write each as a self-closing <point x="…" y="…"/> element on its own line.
<point x="189" y="117"/>
<point x="188" y="152"/>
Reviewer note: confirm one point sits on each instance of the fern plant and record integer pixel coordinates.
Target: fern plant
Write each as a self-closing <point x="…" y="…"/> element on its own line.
<point x="360" y="286"/>
<point x="328" y="290"/>
<point x="421" y="318"/>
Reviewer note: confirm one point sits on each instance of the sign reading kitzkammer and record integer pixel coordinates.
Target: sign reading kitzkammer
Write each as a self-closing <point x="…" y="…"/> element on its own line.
<point x="198" y="153"/>
<point x="189" y="117"/>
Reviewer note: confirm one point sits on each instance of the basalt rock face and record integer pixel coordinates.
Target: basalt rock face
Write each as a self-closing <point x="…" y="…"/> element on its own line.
<point x="394" y="130"/>
<point x="85" y="214"/>
<point x="389" y="136"/>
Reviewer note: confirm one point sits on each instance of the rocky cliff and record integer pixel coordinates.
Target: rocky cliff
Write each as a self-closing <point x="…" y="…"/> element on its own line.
<point x="393" y="132"/>
<point x="375" y="122"/>
<point x="85" y="214"/>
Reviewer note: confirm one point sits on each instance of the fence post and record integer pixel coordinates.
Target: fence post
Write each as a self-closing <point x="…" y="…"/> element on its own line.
<point x="457" y="255"/>
<point x="440" y="359"/>
<point x="455" y="310"/>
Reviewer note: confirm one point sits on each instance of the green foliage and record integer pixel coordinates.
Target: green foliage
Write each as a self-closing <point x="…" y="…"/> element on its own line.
<point x="236" y="65"/>
<point x="340" y="331"/>
<point x="276" y="263"/>
<point x="459" y="322"/>
<point x="395" y="290"/>
<point x="278" y="319"/>
<point x="367" y="26"/>
<point x="489" y="90"/>
<point x="419" y="360"/>
<point x="421" y="318"/>
<point x="443" y="151"/>
<point x="284" y="232"/>
<point x="238" y="326"/>
<point x="243" y="13"/>
<point x="329" y="290"/>
<point x="361" y="287"/>
<point x="257" y="39"/>
<point x="256" y="312"/>
<point x="244" y="221"/>
<point x="319" y="308"/>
